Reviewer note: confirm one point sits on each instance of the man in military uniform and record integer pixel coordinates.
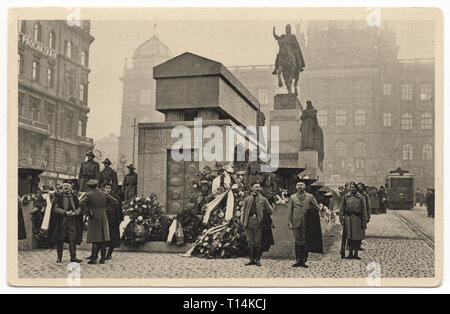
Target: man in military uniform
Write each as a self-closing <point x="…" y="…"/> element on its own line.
<point x="130" y="183"/>
<point x="90" y="169"/>
<point x="108" y="176"/>
<point x="353" y="218"/>
<point x="295" y="48"/>
<point x="252" y="218"/>
<point x="304" y="221"/>
<point x="95" y="204"/>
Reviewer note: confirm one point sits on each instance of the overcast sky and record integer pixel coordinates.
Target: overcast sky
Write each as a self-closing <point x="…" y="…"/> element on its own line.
<point x="228" y="41"/>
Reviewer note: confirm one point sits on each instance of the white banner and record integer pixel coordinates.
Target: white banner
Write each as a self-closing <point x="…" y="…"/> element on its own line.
<point x="230" y="206"/>
<point x="48" y="212"/>
<point x="212" y="205"/>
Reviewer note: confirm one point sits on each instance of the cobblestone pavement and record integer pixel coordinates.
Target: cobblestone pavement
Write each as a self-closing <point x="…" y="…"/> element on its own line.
<point x="399" y="257"/>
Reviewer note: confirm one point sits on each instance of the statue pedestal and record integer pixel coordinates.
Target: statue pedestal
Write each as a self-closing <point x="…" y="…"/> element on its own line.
<point x="308" y="159"/>
<point x="286" y="101"/>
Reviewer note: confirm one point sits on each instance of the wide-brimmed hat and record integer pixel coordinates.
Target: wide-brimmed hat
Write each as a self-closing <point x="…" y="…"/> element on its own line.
<point x="131" y="166"/>
<point x="107" y="161"/>
<point x="90" y="154"/>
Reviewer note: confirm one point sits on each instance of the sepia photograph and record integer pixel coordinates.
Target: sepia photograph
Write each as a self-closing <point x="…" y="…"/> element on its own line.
<point x="215" y="147"/>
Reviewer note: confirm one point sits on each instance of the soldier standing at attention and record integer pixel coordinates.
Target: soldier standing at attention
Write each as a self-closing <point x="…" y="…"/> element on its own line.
<point x="353" y="218"/>
<point x="252" y="218"/>
<point x="307" y="234"/>
<point x="90" y="169"/>
<point x="130" y="183"/>
<point x="108" y="176"/>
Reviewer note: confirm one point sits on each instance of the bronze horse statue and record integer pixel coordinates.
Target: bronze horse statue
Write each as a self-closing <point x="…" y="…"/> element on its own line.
<point x="287" y="67"/>
<point x="289" y="62"/>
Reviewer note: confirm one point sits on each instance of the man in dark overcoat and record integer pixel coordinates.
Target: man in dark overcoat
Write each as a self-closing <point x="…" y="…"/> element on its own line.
<point x="89" y="169"/>
<point x="66" y="223"/>
<point x="304" y="221"/>
<point x="353" y="218"/>
<point x="108" y="176"/>
<point x="95" y="204"/>
<point x="130" y="183"/>
<point x="115" y="217"/>
<point x="254" y="210"/>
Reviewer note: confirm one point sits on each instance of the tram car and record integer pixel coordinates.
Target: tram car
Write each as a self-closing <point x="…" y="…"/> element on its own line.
<point x="400" y="189"/>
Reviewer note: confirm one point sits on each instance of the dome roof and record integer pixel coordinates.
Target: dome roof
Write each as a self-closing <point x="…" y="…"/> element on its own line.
<point x="152" y="48"/>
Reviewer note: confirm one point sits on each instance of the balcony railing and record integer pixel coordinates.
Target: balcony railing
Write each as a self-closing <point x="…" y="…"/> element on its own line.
<point x="86" y="141"/>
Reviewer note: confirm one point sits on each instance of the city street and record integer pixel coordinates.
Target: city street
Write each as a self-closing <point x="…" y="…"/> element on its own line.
<point x="398" y="250"/>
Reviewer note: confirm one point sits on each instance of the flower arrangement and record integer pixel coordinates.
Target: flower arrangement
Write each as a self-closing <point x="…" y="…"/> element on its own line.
<point x="37" y="216"/>
<point x="147" y="221"/>
<point x="191" y="223"/>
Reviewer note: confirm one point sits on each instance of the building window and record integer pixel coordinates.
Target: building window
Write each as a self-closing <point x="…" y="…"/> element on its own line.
<point x="70" y="121"/>
<point x="68" y="49"/>
<point x="20" y="63"/>
<point x="407" y="121"/>
<point x="387" y="89"/>
<point x="145" y="97"/>
<point x="69" y="86"/>
<point x="360" y="163"/>
<point x="360" y="117"/>
<point x="82" y="93"/>
<point x="387" y="119"/>
<point x="21" y="104"/>
<point x="36" y="109"/>
<point x="51" y="118"/>
<point x="341" y="117"/>
<point x="322" y="117"/>
<point x="51" y="40"/>
<point x="80" y="128"/>
<point x="407" y="92"/>
<point x="426" y="91"/>
<point x="84" y="60"/>
<point x="263" y="96"/>
<point x="427" y="152"/>
<point x="426" y="121"/>
<point x="50" y="78"/>
<point x="407" y="152"/>
<point x="340" y="149"/>
<point x="35" y="71"/>
<point x="37" y="32"/>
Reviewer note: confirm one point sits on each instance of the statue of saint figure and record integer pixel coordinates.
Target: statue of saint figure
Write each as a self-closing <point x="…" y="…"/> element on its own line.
<point x="289" y="61"/>
<point x="311" y="137"/>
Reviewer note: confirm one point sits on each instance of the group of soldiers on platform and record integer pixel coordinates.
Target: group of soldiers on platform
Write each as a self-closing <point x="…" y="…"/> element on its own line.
<point x="98" y="198"/>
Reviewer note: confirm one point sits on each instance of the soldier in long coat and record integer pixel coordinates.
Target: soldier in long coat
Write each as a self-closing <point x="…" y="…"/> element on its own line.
<point x="353" y="218"/>
<point x="304" y="220"/>
<point x="90" y="169"/>
<point x="115" y="217"/>
<point x="66" y="223"/>
<point x="95" y="204"/>
<point x="130" y="183"/>
<point x="374" y="201"/>
<point x="108" y="176"/>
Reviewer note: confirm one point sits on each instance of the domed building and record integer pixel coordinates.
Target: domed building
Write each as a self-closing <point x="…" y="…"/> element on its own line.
<point x="139" y="97"/>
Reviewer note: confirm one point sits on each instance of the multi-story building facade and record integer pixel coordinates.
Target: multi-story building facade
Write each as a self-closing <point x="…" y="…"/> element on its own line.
<point x="376" y="111"/>
<point x="139" y="98"/>
<point x="53" y="67"/>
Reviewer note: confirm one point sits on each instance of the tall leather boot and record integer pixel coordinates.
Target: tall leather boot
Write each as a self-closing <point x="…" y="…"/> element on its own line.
<point x="355" y="255"/>
<point x="303" y="256"/>
<point x="297" y="257"/>
<point x="73" y="253"/>
<point x="103" y="253"/>
<point x="110" y="251"/>
<point x="92" y="252"/>
<point x="59" y="252"/>
<point x="96" y="250"/>
<point x="306" y="255"/>
<point x="251" y="255"/>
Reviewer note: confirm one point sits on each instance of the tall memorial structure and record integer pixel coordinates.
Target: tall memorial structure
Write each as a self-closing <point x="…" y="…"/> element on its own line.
<point x="188" y="87"/>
